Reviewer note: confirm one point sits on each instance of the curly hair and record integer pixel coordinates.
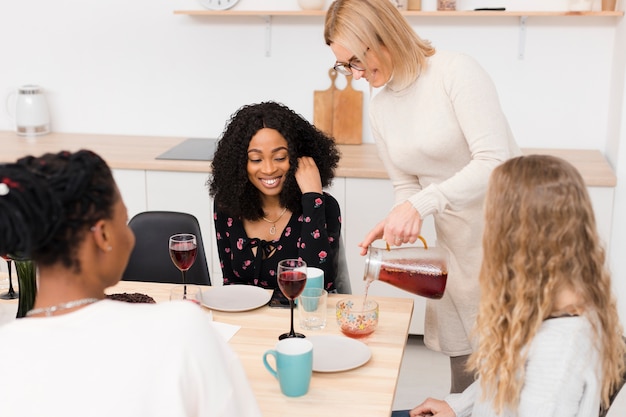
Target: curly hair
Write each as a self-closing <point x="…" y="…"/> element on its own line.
<point x="540" y="238"/>
<point x="49" y="203"/>
<point x="229" y="183"/>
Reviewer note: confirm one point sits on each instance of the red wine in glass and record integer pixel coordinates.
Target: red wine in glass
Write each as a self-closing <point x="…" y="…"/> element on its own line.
<point x="183" y="250"/>
<point x="11" y="294"/>
<point x="291" y="281"/>
<point x="183" y="255"/>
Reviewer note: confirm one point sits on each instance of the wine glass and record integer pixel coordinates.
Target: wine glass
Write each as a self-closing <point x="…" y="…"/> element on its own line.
<point x="183" y="251"/>
<point x="291" y="281"/>
<point x="11" y="294"/>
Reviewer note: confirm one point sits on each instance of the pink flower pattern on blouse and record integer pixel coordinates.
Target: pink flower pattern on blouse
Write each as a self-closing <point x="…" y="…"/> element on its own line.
<point x="312" y="236"/>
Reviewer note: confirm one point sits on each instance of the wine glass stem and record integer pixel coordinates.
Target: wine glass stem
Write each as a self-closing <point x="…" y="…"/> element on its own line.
<point x="11" y="290"/>
<point x="184" y="284"/>
<point x="291" y="303"/>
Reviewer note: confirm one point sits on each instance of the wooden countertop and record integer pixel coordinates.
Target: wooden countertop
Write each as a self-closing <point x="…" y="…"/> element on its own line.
<point x="140" y="152"/>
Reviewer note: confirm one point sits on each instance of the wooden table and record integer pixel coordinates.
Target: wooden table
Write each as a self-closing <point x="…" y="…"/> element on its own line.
<point x="365" y="391"/>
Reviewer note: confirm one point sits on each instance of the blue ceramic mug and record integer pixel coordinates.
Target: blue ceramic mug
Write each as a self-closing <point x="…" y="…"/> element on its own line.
<point x="314" y="277"/>
<point x="294" y="365"/>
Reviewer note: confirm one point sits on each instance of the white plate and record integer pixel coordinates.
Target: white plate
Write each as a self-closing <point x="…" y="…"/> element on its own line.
<point x="338" y="353"/>
<point x="235" y="297"/>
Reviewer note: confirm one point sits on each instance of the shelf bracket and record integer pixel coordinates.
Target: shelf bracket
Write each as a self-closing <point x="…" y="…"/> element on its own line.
<point x="268" y="35"/>
<point x="521" y="48"/>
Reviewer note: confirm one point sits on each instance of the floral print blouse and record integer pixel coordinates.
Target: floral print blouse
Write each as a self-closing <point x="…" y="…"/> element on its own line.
<point x="312" y="236"/>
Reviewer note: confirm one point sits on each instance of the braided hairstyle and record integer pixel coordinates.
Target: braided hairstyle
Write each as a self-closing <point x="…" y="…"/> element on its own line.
<point x="229" y="183"/>
<point x="48" y="203"/>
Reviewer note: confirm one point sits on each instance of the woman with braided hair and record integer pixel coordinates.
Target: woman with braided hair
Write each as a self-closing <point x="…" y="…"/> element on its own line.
<point x="77" y="353"/>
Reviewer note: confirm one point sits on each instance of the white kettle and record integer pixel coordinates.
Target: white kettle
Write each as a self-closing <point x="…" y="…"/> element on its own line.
<point x="31" y="111"/>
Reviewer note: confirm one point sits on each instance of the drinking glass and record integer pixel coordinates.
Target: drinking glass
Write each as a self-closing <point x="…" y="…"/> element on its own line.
<point x="11" y="294"/>
<point x="291" y="281"/>
<point x="183" y="251"/>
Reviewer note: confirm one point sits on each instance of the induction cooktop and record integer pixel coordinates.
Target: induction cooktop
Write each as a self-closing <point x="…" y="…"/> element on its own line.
<point x="193" y="149"/>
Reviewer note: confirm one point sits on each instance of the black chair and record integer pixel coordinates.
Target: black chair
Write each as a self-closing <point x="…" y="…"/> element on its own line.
<point x="150" y="259"/>
<point x="342" y="281"/>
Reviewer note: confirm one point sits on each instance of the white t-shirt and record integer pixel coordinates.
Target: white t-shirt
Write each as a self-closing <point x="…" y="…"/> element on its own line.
<point x="121" y="359"/>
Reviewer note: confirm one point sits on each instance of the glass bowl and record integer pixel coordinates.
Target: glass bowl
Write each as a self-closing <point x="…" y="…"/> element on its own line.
<point x="355" y="319"/>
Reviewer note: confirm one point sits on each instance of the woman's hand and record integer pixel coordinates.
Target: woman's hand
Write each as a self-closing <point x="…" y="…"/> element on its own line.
<point x="374" y="234"/>
<point x="308" y="176"/>
<point x="432" y="407"/>
<point x="402" y="225"/>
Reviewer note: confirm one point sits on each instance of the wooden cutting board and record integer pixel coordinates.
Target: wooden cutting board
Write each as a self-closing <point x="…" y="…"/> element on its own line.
<point x="339" y="112"/>
<point x="323" y="106"/>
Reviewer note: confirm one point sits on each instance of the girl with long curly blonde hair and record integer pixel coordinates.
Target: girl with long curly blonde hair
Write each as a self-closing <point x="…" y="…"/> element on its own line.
<point x="549" y="337"/>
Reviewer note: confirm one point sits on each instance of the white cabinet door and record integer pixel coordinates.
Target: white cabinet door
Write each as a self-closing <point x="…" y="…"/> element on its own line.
<point x="185" y="192"/>
<point x="338" y="190"/>
<point x="132" y="186"/>
<point x="367" y="202"/>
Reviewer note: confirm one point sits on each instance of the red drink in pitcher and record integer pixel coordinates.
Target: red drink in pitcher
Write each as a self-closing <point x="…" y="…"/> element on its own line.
<point x="420" y="271"/>
<point x="427" y="279"/>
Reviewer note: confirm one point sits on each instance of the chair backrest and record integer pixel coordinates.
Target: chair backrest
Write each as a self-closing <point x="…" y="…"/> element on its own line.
<point x="150" y="259"/>
<point x="342" y="281"/>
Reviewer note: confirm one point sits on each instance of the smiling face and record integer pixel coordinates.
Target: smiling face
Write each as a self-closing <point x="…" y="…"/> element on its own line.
<point x="268" y="161"/>
<point x="377" y="73"/>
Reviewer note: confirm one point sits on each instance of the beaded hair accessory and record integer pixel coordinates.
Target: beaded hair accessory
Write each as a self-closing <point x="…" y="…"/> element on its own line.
<point x="6" y="185"/>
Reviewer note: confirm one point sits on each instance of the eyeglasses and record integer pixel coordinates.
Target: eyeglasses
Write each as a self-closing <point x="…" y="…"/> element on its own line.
<point x="346" y="68"/>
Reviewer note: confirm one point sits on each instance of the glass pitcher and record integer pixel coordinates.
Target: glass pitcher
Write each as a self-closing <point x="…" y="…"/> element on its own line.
<point x="420" y="271"/>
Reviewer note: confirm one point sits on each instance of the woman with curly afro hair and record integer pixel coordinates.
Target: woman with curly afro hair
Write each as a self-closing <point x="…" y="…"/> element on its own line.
<point x="267" y="177"/>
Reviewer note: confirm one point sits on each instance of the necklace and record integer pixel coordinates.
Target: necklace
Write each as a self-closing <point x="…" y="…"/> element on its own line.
<point x="273" y="222"/>
<point x="62" y="306"/>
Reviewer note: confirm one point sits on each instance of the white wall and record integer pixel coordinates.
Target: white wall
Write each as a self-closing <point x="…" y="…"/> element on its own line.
<point x="133" y="67"/>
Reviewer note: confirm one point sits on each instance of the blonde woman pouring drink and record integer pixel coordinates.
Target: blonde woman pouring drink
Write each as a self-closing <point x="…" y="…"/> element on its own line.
<point x="440" y="131"/>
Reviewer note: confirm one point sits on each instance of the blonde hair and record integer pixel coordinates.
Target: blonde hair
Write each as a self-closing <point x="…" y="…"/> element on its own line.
<point x="359" y="25"/>
<point x="540" y="238"/>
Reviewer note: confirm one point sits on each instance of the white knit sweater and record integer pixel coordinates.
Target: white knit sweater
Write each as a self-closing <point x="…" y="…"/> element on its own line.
<point x="439" y="139"/>
<point x="562" y="376"/>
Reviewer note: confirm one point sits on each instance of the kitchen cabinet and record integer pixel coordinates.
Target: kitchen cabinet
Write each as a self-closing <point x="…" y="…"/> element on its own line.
<point x="132" y="186"/>
<point x="186" y="192"/>
<point x="367" y="202"/>
<point x="363" y="202"/>
<point x="362" y="188"/>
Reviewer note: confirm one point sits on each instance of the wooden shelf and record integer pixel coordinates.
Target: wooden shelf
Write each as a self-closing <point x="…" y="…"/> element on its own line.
<point x="464" y="13"/>
<point x="523" y="16"/>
